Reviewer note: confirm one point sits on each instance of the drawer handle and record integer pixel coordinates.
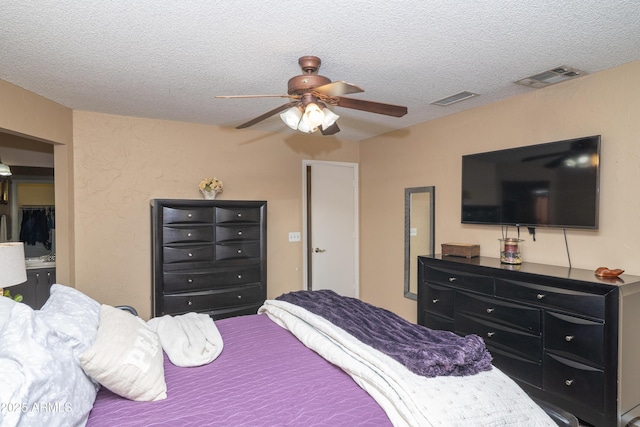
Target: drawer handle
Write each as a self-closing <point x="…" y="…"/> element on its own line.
<point x="240" y="233"/>
<point x="189" y="215"/>
<point x="188" y="234"/>
<point x="568" y="383"/>
<point x="239" y="251"/>
<point x="490" y="310"/>
<point x="490" y="334"/>
<point x="239" y="296"/>
<point x="189" y="302"/>
<point x="540" y="296"/>
<point x="452" y="279"/>
<point x="190" y="281"/>
<point x="239" y="215"/>
<point x="435" y="300"/>
<point x="190" y="254"/>
<point x="239" y="276"/>
<point x="568" y="338"/>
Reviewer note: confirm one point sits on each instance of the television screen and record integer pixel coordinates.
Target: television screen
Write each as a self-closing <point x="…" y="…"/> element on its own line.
<point x="546" y="185"/>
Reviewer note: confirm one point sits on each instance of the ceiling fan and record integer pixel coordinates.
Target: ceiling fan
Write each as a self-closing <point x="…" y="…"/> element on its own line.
<point x="311" y="93"/>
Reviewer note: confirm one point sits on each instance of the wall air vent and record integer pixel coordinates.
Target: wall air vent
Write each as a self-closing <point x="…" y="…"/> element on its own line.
<point x="550" y="77"/>
<point x="455" y="98"/>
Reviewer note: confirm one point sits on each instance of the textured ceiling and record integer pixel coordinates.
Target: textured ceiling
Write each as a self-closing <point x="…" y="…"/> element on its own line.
<point x="169" y="59"/>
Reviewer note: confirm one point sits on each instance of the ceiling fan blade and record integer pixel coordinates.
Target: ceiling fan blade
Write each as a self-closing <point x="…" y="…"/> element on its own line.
<point x="257" y="96"/>
<point x="333" y="129"/>
<point x="267" y="115"/>
<point x="338" y="88"/>
<point x="372" y="107"/>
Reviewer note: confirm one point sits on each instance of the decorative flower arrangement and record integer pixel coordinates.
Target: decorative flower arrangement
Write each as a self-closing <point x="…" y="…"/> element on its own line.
<point x="210" y="186"/>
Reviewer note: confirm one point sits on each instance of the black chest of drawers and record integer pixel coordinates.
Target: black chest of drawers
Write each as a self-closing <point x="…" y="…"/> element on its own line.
<point x="209" y="256"/>
<point x="564" y="335"/>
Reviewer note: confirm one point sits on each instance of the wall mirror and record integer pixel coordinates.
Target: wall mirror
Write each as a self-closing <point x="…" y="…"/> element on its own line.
<point x="419" y="233"/>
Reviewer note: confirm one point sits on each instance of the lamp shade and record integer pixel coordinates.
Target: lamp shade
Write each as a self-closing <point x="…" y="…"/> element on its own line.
<point x="313" y="115"/>
<point x="329" y="118"/>
<point x="12" y="264"/>
<point x="4" y="169"/>
<point x="304" y="127"/>
<point x="291" y="117"/>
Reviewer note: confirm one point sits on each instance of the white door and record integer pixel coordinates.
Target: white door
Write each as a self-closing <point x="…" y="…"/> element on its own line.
<point x="331" y="225"/>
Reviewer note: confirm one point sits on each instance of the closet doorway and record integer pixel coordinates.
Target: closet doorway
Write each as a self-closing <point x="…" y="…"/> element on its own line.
<point x="330" y="227"/>
<point x="30" y="194"/>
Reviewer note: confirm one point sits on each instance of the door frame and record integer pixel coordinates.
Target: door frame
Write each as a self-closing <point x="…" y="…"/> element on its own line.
<point x="305" y="228"/>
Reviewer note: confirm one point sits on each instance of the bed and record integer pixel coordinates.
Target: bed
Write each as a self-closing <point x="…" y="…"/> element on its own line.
<point x="266" y="374"/>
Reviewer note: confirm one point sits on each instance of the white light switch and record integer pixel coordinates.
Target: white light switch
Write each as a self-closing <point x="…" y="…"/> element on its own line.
<point x="294" y="236"/>
<point x="413" y="232"/>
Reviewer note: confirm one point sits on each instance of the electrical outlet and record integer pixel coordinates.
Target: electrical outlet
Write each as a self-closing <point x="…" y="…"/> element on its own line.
<point x="294" y="236"/>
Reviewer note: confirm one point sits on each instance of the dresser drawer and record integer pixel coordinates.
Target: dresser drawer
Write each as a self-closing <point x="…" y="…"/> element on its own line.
<point x="237" y="251"/>
<point x="195" y="301"/>
<point x="438" y="299"/>
<point x="523" y="344"/>
<point x="574" y="381"/>
<point x="220" y="278"/>
<point x="230" y="233"/>
<point x="187" y="215"/>
<point x="523" y="369"/>
<point x="187" y="234"/>
<point x="492" y="309"/>
<point x="173" y="254"/>
<point x="482" y="284"/>
<point x="574" y="301"/>
<point x="224" y="215"/>
<point x="433" y="321"/>
<point x="574" y="337"/>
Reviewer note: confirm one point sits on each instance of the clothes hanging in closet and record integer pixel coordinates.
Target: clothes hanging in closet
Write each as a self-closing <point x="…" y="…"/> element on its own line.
<point x="36" y="226"/>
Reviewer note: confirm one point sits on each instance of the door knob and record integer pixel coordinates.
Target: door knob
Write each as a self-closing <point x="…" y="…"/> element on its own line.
<point x="318" y="250"/>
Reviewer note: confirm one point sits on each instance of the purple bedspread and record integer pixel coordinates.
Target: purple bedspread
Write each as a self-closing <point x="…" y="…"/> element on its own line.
<point x="263" y="377"/>
<point x="423" y="351"/>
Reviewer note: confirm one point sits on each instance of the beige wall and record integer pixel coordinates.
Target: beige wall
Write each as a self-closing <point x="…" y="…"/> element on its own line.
<point x="121" y="163"/>
<point x="606" y="103"/>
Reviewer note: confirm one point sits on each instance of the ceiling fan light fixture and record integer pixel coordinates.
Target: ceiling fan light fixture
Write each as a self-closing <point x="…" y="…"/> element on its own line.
<point x="313" y="115"/>
<point x="291" y="117"/>
<point x="5" y="170"/>
<point x="304" y="127"/>
<point x="329" y="118"/>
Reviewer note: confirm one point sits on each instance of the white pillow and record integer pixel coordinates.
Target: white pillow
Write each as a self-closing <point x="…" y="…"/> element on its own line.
<point x="126" y="357"/>
<point x="72" y="315"/>
<point x="39" y="375"/>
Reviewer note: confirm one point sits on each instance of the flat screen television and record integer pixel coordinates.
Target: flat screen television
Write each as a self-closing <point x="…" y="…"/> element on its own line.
<point x="556" y="184"/>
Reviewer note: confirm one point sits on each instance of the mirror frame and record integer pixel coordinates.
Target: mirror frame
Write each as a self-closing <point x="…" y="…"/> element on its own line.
<point x="407" y="234"/>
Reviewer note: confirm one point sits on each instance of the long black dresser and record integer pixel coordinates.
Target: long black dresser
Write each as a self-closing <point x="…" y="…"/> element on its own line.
<point x="564" y="335"/>
<point x="209" y="256"/>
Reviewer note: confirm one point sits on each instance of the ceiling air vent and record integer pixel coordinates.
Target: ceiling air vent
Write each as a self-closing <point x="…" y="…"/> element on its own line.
<point x="454" y="98"/>
<point x="551" y="77"/>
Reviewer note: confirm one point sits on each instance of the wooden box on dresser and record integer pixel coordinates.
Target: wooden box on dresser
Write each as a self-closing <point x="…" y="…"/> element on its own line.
<point x="209" y="256"/>
<point x="565" y="335"/>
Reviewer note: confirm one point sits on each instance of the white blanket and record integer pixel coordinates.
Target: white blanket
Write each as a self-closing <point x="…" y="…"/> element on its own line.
<point x="190" y="339"/>
<point x="489" y="398"/>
